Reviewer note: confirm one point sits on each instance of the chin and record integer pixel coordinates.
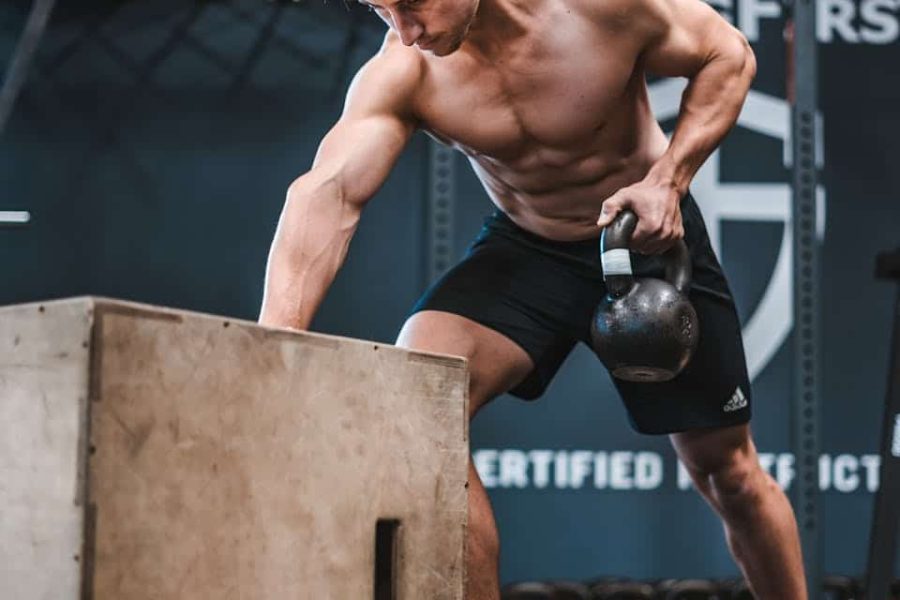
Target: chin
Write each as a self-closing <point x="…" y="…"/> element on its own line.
<point x="444" y="51"/>
<point x="447" y="48"/>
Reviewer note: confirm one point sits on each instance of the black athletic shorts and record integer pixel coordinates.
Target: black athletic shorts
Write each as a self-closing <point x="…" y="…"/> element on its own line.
<point x="541" y="294"/>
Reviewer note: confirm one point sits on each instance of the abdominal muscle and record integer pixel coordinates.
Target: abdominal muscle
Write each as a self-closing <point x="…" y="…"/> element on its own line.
<point x="561" y="199"/>
<point x="557" y="192"/>
<point x="552" y="124"/>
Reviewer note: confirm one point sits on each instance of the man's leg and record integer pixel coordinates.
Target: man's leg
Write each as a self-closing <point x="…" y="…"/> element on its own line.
<point x="759" y="522"/>
<point x="496" y="364"/>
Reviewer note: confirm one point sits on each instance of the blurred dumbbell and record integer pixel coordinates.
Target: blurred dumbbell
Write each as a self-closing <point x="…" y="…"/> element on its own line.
<point x="688" y="589"/>
<point x="621" y="590"/>
<point x="527" y="591"/>
<point x="570" y="590"/>
<point x="839" y="587"/>
<point x="735" y="589"/>
<point x="661" y="587"/>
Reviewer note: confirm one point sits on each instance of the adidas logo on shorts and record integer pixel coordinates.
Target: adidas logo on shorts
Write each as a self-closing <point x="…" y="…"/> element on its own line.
<point x="737" y="402"/>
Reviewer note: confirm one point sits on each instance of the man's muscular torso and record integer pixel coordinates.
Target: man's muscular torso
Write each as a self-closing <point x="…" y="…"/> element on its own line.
<point x="554" y="117"/>
<point x="548" y="100"/>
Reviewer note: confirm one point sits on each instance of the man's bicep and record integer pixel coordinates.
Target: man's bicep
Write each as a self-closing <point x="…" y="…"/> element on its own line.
<point x="360" y="150"/>
<point x="685" y="35"/>
<point x="359" y="153"/>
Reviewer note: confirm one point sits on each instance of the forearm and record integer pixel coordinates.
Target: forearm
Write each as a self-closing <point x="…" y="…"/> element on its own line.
<point x="709" y="109"/>
<point x="310" y="246"/>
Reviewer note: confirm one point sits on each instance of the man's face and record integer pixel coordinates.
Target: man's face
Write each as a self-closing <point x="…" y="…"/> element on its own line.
<point x="436" y="26"/>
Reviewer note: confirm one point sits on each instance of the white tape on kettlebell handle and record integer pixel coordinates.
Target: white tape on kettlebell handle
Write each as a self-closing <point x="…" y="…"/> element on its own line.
<point x="616" y="262"/>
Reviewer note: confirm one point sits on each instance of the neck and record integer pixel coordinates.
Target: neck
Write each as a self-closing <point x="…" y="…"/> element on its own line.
<point x="498" y="22"/>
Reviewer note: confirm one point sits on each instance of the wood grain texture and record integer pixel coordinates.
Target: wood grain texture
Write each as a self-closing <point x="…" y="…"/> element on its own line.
<point x="44" y="361"/>
<point x="219" y="459"/>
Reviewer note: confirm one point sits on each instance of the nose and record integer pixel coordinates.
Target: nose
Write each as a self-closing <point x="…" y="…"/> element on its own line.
<point x="408" y="29"/>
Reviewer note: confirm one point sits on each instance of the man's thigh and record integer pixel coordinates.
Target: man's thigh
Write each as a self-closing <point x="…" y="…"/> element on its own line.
<point x="496" y="363"/>
<point x="713" y="391"/>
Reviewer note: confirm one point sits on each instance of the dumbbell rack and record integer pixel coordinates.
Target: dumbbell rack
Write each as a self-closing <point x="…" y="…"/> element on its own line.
<point x="885" y="521"/>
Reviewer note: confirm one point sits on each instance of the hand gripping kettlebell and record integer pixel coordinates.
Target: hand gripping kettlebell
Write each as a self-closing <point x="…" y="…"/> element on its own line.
<point x="644" y="329"/>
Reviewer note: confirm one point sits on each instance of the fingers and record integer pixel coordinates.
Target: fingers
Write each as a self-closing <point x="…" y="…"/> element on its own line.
<point x="659" y="222"/>
<point x="656" y="233"/>
<point x="611" y="208"/>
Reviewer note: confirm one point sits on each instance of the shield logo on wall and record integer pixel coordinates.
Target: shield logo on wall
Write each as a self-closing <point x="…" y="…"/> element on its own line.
<point x="772" y="318"/>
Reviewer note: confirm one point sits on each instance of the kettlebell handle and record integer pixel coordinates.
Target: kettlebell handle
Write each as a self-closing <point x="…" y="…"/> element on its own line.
<point x="616" y="257"/>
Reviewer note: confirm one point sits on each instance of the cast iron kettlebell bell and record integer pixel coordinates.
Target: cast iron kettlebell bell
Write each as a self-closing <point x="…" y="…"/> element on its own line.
<point x="645" y="329"/>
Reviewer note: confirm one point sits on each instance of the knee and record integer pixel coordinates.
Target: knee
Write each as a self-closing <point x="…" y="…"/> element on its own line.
<point x="725" y="466"/>
<point x="737" y="487"/>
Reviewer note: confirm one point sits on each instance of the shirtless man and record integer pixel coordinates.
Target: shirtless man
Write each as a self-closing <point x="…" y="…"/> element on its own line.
<point x="548" y="100"/>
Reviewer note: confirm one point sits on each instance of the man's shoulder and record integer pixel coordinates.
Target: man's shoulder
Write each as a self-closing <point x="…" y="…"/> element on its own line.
<point x="624" y="14"/>
<point x="388" y="82"/>
<point x="394" y="65"/>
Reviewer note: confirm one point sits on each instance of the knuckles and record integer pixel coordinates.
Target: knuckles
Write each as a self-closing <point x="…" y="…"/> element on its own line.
<point x="658" y="227"/>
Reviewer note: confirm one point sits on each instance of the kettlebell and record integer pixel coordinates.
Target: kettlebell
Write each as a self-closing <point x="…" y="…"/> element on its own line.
<point x="644" y="329"/>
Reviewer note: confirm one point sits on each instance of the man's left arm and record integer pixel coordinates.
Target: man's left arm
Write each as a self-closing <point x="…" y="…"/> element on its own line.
<point x="685" y="38"/>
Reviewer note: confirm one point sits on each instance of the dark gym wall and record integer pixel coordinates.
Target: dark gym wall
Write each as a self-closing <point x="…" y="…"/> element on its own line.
<point x="155" y="140"/>
<point x="570" y="528"/>
<point x="153" y="146"/>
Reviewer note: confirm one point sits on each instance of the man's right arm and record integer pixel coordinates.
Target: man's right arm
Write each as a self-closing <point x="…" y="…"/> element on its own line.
<point x="323" y="207"/>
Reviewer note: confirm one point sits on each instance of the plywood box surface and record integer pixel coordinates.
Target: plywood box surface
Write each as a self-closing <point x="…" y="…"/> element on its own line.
<point x="154" y="453"/>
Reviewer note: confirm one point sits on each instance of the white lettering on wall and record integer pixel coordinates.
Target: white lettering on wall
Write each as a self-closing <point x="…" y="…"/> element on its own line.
<point x="627" y="470"/>
<point x="751" y="12"/>
<point x="580" y="463"/>
<point x="835" y="18"/>
<point x="846" y="478"/>
<point x="513" y="469"/>
<point x="872" y="464"/>
<point x="485" y="463"/>
<point x="880" y="26"/>
<point x="620" y="471"/>
<point x="895" y="444"/>
<point x="875" y="22"/>
<point x="684" y="477"/>
<point x="575" y="469"/>
<point x="540" y="463"/>
<point x="648" y="470"/>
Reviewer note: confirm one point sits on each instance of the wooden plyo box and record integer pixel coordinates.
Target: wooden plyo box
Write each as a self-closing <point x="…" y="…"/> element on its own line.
<point x="154" y="453"/>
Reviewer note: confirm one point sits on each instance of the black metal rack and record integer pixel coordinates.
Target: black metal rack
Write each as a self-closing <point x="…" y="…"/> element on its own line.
<point x="806" y="399"/>
<point x="886" y="518"/>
